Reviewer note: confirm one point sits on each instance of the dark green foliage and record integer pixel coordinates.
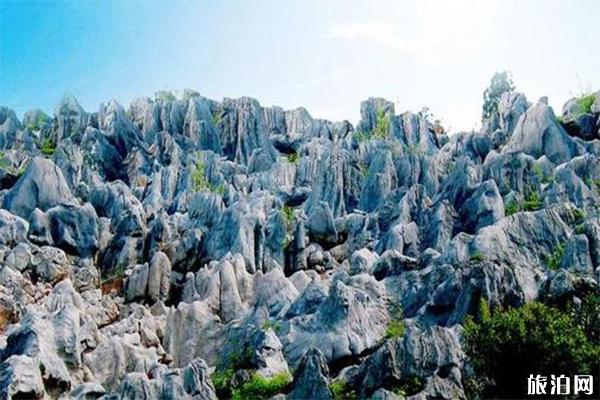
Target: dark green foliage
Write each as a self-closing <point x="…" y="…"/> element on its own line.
<point x="261" y="388"/>
<point x="222" y="382"/>
<point x="477" y="257"/>
<point x="501" y="82"/>
<point x="409" y="386"/>
<point x="505" y="347"/>
<point x="341" y="391"/>
<point x="578" y="216"/>
<point x="553" y="260"/>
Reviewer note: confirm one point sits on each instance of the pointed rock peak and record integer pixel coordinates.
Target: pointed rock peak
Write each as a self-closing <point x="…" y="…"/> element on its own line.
<point x="68" y="104"/>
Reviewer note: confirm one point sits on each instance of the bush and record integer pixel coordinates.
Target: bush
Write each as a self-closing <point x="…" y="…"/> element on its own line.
<point x="222" y="383"/>
<point x="533" y="201"/>
<point x="409" y="386"/>
<point x="341" y="391"/>
<point x="395" y="327"/>
<point x="477" y="257"/>
<point x="511" y="208"/>
<point x="553" y="260"/>
<point x="585" y="103"/>
<point x="382" y="125"/>
<point x="505" y="347"/>
<point x="260" y="388"/>
<point x="201" y="183"/>
<point x="48" y="147"/>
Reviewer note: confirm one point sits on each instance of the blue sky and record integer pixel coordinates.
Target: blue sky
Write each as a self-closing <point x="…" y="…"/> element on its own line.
<point x="324" y="55"/>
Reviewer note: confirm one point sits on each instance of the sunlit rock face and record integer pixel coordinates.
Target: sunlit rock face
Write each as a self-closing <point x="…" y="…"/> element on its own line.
<point x="182" y="248"/>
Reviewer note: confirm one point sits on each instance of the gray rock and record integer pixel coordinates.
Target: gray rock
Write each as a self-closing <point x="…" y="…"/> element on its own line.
<point x="41" y="186"/>
<point x="69" y="227"/>
<point x="13" y="229"/>
<point x="20" y="378"/>
<point x="537" y="133"/>
<point x="311" y="380"/>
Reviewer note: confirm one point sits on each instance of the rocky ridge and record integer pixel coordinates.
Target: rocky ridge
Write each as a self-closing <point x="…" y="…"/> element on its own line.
<point x="155" y="251"/>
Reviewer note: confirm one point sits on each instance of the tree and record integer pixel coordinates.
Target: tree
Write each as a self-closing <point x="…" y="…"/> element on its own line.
<point x="505" y="347"/>
<point x="501" y="82"/>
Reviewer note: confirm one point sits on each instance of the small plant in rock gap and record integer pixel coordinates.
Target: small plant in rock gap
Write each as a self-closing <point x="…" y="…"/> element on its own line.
<point x="48" y="146"/>
<point x="477" y="257"/>
<point x="395" y="326"/>
<point x="293" y="158"/>
<point x="533" y="201"/>
<point x="382" y="125"/>
<point x="288" y="215"/>
<point x="553" y="259"/>
<point x="272" y="324"/>
<point x="360" y="136"/>
<point x="511" y="208"/>
<point x="341" y="391"/>
<point x="409" y="386"/>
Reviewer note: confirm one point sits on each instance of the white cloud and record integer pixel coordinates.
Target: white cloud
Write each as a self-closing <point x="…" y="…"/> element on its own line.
<point x="333" y="75"/>
<point x="380" y="33"/>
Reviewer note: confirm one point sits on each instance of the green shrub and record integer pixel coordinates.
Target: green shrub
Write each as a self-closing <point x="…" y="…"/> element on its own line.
<point x="394" y="329"/>
<point x="511" y="208"/>
<point x="4" y="161"/>
<point x="477" y="257"/>
<point x="360" y="136"/>
<point x="274" y="325"/>
<point x="585" y="103"/>
<point x="409" y="386"/>
<point x="533" y="201"/>
<point x="578" y="216"/>
<point x="200" y="181"/>
<point x="553" y="260"/>
<point x="382" y="125"/>
<point x="48" y="146"/>
<point x="341" y="391"/>
<point x="38" y="124"/>
<point x="288" y="215"/>
<point x="505" y="347"/>
<point x="261" y="388"/>
<point x="395" y="326"/>
<point x="222" y="382"/>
